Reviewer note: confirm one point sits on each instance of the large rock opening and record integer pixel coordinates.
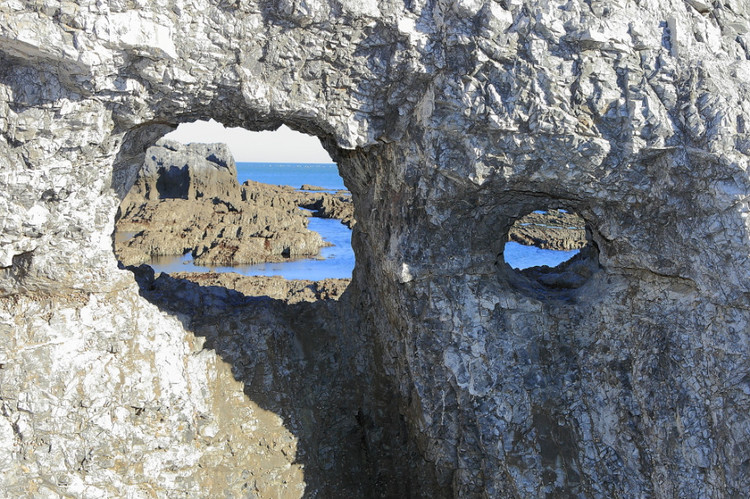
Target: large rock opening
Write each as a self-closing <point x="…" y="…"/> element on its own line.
<point x="295" y="345"/>
<point x="449" y="122"/>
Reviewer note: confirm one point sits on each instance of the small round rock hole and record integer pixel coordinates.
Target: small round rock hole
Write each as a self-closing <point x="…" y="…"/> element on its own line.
<point x="552" y="249"/>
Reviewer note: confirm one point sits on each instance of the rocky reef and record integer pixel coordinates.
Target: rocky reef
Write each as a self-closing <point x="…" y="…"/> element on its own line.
<point x="550" y="229"/>
<point x="440" y="371"/>
<point x="186" y="199"/>
<point x="326" y="205"/>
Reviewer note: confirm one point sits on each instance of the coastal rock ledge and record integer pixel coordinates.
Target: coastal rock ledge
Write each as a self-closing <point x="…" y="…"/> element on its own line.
<point x="439" y="371"/>
<point x="187" y="199"/>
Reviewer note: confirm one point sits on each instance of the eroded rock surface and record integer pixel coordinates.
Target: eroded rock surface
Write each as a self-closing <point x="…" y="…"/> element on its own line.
<point x="327" y="205"/>
<point x="448" y="122"/>
<point x="193" y="172"/>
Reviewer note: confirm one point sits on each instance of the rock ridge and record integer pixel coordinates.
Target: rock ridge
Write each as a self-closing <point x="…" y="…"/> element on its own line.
<point x="550" y="229"/>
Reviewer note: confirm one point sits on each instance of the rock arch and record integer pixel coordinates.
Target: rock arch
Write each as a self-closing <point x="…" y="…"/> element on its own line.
<point x="444" y="118"/>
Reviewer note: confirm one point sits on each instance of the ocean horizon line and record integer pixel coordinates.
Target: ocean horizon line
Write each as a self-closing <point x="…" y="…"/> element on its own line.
<point x="284" y="163"/>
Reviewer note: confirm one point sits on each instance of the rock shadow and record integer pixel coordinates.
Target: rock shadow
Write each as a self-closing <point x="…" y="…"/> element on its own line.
<point x="303" y="358"/>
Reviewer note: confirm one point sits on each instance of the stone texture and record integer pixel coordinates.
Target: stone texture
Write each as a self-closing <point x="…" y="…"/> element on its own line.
<point x="194" y="172"/>
<point x="448" y="121"/>
<point x="278" y="288"/>
<point x="107" y="400"/>
<point x="327" y="205"/>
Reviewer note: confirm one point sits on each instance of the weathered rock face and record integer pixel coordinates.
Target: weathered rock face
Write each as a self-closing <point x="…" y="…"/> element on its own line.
<point x="448" y="122"/>
<point x="194" y="171"/>
<point x="327" y="205"/>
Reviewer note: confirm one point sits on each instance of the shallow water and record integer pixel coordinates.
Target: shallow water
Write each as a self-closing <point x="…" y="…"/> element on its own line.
<point x="520" y="256"/>
<point x="335" y="261"/>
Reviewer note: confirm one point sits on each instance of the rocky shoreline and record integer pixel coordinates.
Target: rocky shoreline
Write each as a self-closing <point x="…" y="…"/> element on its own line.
<point x="441" y="372"/>
<point x="187" y="199"/>
<point x="552" y="229"/>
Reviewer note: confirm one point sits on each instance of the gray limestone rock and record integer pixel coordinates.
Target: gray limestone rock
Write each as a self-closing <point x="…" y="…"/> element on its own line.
<point x="449" y="121"/>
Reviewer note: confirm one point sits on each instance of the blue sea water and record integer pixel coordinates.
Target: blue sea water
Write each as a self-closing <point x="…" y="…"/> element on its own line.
<point x="520" y="256"/>
<point x="324" y="175"/>
<point x="336" y="261"/>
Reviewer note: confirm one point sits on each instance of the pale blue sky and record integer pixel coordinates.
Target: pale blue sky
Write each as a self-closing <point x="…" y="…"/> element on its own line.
<point x="280" y="146"/>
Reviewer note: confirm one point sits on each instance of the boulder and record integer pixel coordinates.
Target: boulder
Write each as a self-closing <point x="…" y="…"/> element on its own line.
<point x="172" y="170"/>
